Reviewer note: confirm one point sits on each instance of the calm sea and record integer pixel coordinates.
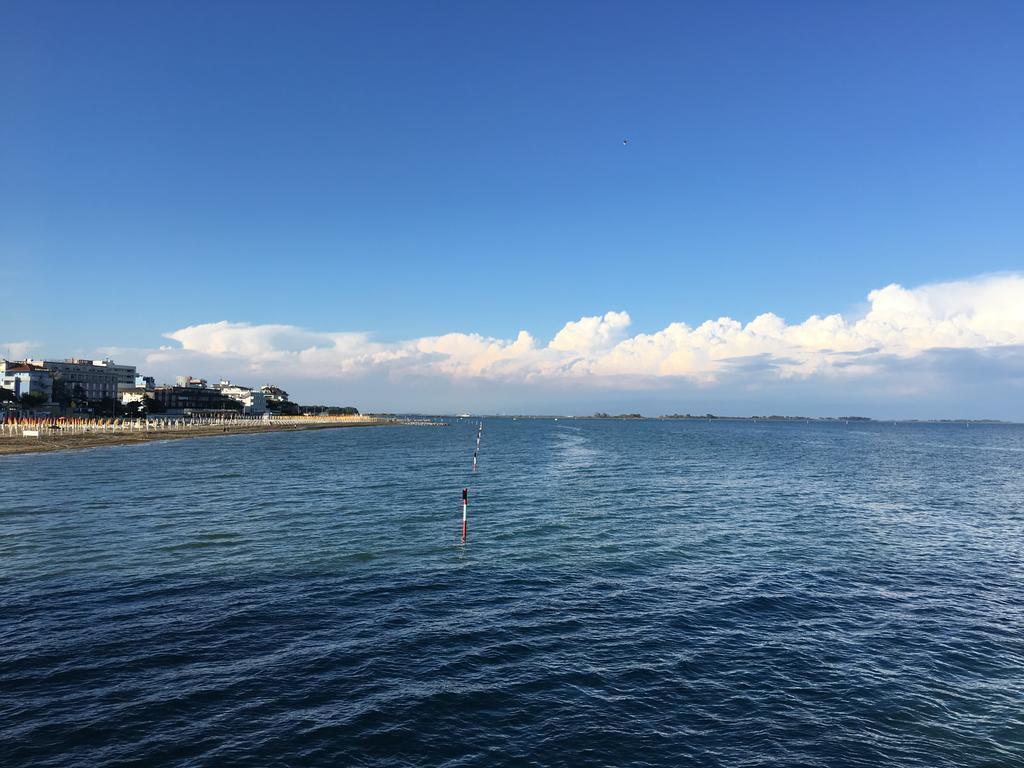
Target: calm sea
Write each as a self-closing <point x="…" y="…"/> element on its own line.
<point x="632" y="593"/>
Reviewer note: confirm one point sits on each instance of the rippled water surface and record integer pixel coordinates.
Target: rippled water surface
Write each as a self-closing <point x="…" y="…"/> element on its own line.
<point x="632" y="593"/>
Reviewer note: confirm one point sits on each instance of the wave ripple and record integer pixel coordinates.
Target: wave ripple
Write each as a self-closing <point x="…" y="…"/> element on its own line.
<point x="641" y="593"/>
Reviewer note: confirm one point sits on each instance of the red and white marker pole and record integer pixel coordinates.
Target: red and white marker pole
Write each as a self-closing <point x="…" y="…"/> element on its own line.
<point x="465" y="504"/>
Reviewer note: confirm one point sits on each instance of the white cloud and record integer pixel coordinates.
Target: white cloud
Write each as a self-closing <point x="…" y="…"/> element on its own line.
<point x="16" y="350"/>
<point x="900" y="323"/>
<point x="590" y="334"/>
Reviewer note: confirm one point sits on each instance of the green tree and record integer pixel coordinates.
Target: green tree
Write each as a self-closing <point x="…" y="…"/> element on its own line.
<point x="32" y="399"/>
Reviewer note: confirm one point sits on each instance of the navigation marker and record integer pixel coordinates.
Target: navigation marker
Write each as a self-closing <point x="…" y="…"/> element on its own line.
<point x="465" y="504"/>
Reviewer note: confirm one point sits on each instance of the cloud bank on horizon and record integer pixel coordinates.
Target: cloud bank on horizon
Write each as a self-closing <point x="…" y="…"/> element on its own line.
<point x="900" y="323"/>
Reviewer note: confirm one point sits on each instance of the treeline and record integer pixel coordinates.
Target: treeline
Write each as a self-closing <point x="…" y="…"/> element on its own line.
<point x="328" y="410"/>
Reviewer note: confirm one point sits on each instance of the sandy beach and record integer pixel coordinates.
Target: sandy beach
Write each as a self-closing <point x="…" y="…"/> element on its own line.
<point x="54" y="440"/>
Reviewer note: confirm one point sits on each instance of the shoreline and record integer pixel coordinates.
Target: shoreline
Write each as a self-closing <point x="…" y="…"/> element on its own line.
<point x="17" y="446"/>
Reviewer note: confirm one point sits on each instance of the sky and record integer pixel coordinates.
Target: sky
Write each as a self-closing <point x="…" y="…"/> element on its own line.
<point x="429" y="206"/>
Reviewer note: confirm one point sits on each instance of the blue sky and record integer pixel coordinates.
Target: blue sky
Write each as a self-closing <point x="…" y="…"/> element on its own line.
<point x="417" y="169"/>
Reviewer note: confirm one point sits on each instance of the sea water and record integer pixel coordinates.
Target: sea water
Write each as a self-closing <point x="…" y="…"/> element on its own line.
<point x="652" y="593"/>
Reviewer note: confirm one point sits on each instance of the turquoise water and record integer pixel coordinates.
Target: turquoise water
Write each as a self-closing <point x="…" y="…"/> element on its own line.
<point x="631" y="593"/>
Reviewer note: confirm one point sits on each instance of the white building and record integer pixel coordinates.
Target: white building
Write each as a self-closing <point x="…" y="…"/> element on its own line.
<point x="274" y="393"/>
<point x="134" y="395"/>
<point x="125" y="373"/>
<point x="253" y="401"/>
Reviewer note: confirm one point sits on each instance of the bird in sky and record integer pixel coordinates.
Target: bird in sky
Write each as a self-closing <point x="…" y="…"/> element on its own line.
<point x="625" y="142"/>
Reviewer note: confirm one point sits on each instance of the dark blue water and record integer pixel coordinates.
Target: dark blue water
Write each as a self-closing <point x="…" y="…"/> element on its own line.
<point x="654" y="593"/>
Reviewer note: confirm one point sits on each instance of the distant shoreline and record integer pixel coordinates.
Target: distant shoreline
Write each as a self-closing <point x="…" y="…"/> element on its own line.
<point x="781" y="419"/>
<point x="54" y="441"/>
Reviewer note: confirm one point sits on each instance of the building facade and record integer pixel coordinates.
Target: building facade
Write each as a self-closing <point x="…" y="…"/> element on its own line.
<point x="26" y="379"/>
<point x="90" y="380"/>
<point x="254" y="402"/>
<point x="191" y="382"/>
<point x="274" y="393"/>
<point x="195" y="400"/>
